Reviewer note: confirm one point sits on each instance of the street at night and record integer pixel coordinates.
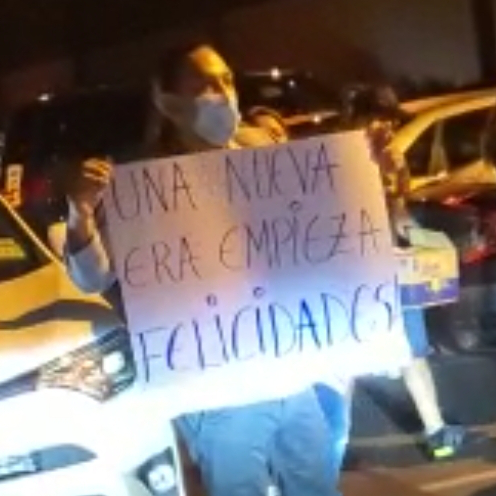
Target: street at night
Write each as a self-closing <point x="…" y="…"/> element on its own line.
<point x="248" y="248"/>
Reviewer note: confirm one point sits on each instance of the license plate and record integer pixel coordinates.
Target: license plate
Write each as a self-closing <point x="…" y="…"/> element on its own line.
<point x="12" y="466"/>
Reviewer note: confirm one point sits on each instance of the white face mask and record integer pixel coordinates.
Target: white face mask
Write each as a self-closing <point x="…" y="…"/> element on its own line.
<point x="216" y="120"/>
<point x="213" y="118"/>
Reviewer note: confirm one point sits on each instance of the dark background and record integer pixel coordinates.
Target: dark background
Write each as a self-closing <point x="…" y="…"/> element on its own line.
<point x="57" y="45"/>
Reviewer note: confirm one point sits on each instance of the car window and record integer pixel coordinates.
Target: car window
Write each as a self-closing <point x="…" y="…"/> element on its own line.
<point x="462" y="137"/>
<point x="106" y="124"/>
<point x="19" y="255"/>
<point x="288" y="94"/>
<point x="418" y="156"/>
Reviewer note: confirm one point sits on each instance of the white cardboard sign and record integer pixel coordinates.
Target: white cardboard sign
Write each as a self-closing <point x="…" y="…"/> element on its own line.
<point x="252" y="273"/>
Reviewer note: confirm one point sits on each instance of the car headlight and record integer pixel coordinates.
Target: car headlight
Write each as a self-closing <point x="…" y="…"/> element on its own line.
<point x="114" y="363"/>
<point x="100" y="370"/>
<point x="161" y="478"/>
<point x="159" y="474"/>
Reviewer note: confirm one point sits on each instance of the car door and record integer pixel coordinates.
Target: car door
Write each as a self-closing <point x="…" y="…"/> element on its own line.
<point x="425" y="160"/>
<point x="454" y="165"/>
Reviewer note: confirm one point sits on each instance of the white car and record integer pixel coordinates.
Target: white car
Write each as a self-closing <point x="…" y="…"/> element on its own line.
<point x="73" y="422"/>
<point x="442" y="144"/>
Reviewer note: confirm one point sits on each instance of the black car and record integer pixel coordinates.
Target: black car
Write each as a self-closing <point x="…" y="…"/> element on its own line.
<point x="289" y="92"/>
<point x="469" y="220"/>
<point x="307" y="106"/>
<point x="47" y="138"/>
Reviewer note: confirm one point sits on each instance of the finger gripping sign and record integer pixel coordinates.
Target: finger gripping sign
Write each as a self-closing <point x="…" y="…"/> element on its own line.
<point x="248" y="274"/>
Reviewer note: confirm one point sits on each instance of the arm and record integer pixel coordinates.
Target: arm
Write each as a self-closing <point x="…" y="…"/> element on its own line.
<point x="86" y="246"/>
<point x="395" y="176"/>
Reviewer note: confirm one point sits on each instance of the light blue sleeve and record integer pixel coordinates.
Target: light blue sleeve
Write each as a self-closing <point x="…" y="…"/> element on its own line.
<point x="91" y="268"/>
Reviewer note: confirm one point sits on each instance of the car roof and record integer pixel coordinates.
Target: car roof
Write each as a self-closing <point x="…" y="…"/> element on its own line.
<point x="444" y="108"/>
<point x="423" y="104"/>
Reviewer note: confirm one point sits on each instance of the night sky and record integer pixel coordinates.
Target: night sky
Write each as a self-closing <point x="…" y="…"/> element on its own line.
<point x="31" y="30"/>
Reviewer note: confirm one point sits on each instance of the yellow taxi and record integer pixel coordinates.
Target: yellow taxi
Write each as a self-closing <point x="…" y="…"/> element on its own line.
<point x="73" y="421"/>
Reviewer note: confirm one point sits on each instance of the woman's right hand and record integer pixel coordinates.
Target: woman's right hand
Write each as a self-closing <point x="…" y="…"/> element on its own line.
<point x="89" y="185"/>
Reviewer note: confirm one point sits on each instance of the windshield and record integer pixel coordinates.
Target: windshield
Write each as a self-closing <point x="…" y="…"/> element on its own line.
<point x="19" y="255"/>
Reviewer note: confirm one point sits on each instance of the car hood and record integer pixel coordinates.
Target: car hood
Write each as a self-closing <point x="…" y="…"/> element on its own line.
<point x="44" y="316"/>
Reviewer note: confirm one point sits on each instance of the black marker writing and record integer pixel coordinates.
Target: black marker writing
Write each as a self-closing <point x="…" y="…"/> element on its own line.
<point x="368" y="233"/>
<point x="287" y="241"/>
<point x="258" y="174"/>
<point x="161" y="263"/>
<point x="150" y="190"/>
<point x="270" y="328"/>
<point x="129" y="211"/>
<point x="181" y="189"/>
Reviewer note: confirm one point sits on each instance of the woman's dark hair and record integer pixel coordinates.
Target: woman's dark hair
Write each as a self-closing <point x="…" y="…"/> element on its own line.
<point x="362" y="104"/>
<point x="489" y="140"/>
<point x="172" y="63"/>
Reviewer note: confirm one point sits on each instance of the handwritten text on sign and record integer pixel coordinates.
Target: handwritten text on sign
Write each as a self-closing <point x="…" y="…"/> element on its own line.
<point x="230" y="257"/>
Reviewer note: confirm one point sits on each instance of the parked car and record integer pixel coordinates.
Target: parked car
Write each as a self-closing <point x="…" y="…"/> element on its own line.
<point x="46" y="139"/>
<point x="442" y="145"/>
<point x="307" y="106"/>
<point x="469" y="219"/>
<point x="426" y="103"/>
<point x="73" y="421"/>
<point x="441" y="140"/>
<point x="452" y="190"/>
<point x="290" y="92"/>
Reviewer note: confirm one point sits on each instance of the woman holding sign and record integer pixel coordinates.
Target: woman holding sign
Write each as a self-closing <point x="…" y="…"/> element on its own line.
<point x="280" y="445"/>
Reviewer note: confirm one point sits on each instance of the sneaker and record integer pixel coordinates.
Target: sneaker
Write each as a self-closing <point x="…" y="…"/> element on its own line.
<point x="447" y="442"/>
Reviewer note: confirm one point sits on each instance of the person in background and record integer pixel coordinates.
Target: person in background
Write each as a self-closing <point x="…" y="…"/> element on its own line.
<point x="442" y="439"/>
<point x="361" y="103"/>
<point x="280" y="445"/>
<point x="271" y="121"/>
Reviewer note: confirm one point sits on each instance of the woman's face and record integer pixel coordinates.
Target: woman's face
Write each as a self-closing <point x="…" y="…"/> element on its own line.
<point x="203" y="102"/>
<point x="206" y="73"/>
